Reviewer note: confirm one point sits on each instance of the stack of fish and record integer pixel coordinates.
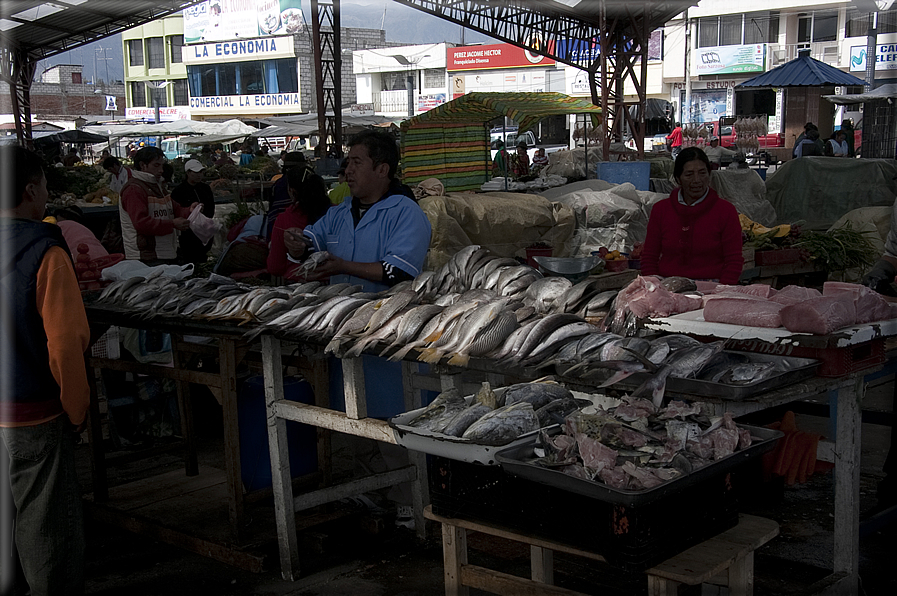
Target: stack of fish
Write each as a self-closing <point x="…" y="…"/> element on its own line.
<point x="497" y="417"/>
<point x="636" y="446"/>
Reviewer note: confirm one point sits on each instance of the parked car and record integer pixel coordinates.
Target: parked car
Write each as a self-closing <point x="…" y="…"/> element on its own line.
<point x="512" y="138"/>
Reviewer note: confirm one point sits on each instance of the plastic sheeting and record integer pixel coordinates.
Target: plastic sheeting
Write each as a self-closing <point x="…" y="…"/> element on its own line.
<point x="876" y="221"/>
<point x="505" y="223"/>
<point x="819" y="190"/>
<point x="746" y="190"/>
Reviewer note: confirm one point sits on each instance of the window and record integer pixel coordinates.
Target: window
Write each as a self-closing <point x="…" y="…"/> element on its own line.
<point x="708" y="32"/>
<point x="250" y="80"/>
<point x="209" y="81"/>
<point x="179" y="91"/>
<point x="392" y="81"/>
<point x="434" y="78"/>
<point x="162" y="95"/>
<point x="227" y="80"/>
<point x="135" y="52"/>
<point x="858" y="23"/>
<point x="177" y="42"/>
<point x="76" y="78"/>
<point x="138" y="94"/>
<point x="730" y="30"/>
<point x="287" y="77"/>
<point x="761" y="27"/>
<point x="156" y="52"/>
<point x="825" y="25"/>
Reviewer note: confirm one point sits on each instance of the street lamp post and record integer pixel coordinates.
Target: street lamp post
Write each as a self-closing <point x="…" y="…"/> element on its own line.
<point x="409" y="80"/>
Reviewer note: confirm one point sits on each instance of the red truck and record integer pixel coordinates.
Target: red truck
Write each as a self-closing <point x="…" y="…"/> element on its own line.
<point x="756" y="144"/>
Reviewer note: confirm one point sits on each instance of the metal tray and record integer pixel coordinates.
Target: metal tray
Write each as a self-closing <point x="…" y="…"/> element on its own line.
<point x="517" y="460"/>
<point x="801" y="369"/>
<point x="434" y="443"/>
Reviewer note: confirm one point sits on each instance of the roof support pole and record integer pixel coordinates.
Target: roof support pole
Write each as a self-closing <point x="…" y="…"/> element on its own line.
<point x="328" y="74"/>
<point x="17" y="70"/>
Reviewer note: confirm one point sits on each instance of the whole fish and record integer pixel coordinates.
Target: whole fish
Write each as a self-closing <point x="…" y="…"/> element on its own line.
<point x="556" y="410"/>
<point x="494" y="334"/>
<point x="389" y="307"/>
<point x="462" y="420"/>
<point x="436" y="408"/>
<point x="384" y="333"/>
<point x="745" y="374"/>
<point x="473" y="325"/>
<point x="540" y="331"/>
<point x="559" y="336"/>
<point x="411" y="324"/>
<point x="546" y="291"/>
<point x="501" y="426"/>
<point x="535" y="394"/>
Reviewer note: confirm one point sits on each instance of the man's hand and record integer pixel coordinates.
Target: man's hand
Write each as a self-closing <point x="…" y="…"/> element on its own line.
<point x="331" y="266"/>
<point x="881" y="276"/>
<point x="181" y="223"/>
<point x="295" y="242"/>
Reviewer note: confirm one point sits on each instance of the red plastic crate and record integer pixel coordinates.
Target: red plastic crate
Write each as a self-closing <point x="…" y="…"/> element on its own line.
<point x="782" y="256"/>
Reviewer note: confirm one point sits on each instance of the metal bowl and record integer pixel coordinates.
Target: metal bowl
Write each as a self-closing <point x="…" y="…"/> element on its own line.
<point x="573" y="268"/>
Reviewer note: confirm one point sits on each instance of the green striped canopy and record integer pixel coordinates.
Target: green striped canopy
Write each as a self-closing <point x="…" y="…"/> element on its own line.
<point x="451" y="142"/>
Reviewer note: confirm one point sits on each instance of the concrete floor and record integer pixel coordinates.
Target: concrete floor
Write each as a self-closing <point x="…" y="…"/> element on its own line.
<point x="345" y="558"/>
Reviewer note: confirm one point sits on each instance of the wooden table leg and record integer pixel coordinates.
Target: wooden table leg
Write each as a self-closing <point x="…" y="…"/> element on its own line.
<point x="282" y="484"/>
<point x="420" y="496"/>
<point x="741" y="576"/>
<point x="660" y="586"/>
<point x="847" y="479"/>
<point x="95" y="436"/>
<point x="185" y="408"/>
<point x="228" y="373"/>
<point x="541" y="564"/>
<point x="454" y="555"/>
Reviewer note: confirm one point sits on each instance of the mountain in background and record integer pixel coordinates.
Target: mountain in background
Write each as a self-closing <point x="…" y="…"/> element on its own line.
<point x="403" y="24"/>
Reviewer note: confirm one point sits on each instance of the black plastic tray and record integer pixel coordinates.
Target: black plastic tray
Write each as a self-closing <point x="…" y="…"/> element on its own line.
<point x="517" y="460"/>
<point x="803" y="368"/>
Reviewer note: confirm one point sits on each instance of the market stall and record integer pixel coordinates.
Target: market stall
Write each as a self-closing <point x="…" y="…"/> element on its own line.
<point x="452" y="143"/>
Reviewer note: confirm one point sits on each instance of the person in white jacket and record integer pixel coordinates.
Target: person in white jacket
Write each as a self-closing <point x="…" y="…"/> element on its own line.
<point x="715" y="152"/>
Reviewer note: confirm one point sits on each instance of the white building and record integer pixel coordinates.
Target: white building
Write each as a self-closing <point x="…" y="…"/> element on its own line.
<point x="384" y="77"/>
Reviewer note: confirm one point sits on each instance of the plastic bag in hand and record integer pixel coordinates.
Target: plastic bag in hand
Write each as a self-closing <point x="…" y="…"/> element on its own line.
<point x="204" y="227"/>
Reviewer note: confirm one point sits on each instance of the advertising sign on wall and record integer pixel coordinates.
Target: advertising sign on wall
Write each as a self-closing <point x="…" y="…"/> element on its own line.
<point x="501" y="55"/>
<point x="885" y="57"/>
<point x="169" y="114"/>
<point x="729" y="59"/>
<point x="237" y="51"/>
<point x="428" y="102"/>
<point x="528" y="81"/>
<point x="219" y="20"/>
<point x="269" y="103"/>
<point x="707" y="106"/>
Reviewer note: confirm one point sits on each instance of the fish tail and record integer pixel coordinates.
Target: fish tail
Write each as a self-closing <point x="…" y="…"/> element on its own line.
<point x="459" y="359"/>
<point x="386" y="349"/>
<point x="401" y="353"/>
<point x="657" y="394"/>
<point x="430" y="356"/>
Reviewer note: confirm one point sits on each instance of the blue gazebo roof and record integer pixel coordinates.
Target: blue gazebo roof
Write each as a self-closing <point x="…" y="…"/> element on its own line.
<point x="803" y="71"/>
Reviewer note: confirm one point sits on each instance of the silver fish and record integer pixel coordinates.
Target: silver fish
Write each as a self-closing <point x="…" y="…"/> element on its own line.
<point x="388" y="307"/>
<point x="540" y="331"/>
<point x="462" y="420"/>
<point x="546" y="291"/>
<point x="411" y="324"/>
<point x="501" y="426"/>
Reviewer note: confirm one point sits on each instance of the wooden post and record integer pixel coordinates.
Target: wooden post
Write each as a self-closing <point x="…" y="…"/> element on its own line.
<point x="282" y="485"/>
<point x="741" y="576"/>
<point x="454" y="554"/>
<point x="228" y="373"/>
<point x="541" y="564"/>
<point x="847" y="479"/>
<point x="95" y="436"/>
<point x="353" y="388"/>
<point x="185" y="408"/>
<point x="420" y="496"/>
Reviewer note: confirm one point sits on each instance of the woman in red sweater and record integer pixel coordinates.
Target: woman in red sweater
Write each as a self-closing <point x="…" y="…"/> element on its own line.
<point x="694" y="233"/>
<point x="310" y="201"/>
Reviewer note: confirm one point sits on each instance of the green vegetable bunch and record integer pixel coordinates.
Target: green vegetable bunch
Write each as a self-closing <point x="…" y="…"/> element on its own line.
<point x="839" y="249"/>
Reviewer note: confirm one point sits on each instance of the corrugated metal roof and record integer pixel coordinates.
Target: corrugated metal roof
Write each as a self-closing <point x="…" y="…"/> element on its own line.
<point x="803" y="71"/>
<point x="42" y="28"/>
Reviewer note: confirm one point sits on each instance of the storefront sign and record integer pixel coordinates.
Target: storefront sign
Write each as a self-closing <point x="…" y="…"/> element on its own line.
<point x="219" y="20"/>
<point x="707" y="85"/>
<point x="239" y="51"/>
<point x="247" y="104"/>
<point x="428" y="102"/>
<point x="165" y="114"/>
<point x="502" y="55"/>
<point x="885" y="57"/>
<point x="729" y="59"/>
<point x="525" y="81"/>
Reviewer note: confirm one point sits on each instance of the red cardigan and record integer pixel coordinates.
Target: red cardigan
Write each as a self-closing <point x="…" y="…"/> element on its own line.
<point x="715" y="250"/>
<point x="292" y="217"/>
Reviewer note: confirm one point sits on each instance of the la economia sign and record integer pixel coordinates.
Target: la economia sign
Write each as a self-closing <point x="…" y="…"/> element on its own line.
<point x="502" y="55"/>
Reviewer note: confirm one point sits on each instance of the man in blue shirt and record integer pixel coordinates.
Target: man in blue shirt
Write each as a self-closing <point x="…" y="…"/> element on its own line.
<point x="379" y="236"/>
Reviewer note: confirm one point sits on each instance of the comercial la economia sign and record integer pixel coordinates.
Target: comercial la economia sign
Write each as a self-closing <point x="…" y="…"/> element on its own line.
<point x="501" y="55"/>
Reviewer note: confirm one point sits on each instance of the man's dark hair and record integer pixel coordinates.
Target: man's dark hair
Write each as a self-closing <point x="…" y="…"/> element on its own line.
<point x="146" y="155"/>
<point x="23" y="167"/>
<point x="686" y="155"/>
<point x="381" y="149"/>
<point x="110" y="162"/>
<point x="167" y="172"/>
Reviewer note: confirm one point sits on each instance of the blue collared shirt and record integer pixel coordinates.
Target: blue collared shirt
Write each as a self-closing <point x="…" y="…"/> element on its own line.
<point x="394" y="230"/>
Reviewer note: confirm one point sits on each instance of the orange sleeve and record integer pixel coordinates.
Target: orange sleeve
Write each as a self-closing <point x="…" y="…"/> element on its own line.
<point x="65" y="323"/>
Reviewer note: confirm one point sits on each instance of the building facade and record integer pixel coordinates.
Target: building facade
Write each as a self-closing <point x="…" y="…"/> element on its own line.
<point x="155" y="71"/>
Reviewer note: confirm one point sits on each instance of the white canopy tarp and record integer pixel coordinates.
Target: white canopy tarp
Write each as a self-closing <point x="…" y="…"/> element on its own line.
<point x="233" y="128"/>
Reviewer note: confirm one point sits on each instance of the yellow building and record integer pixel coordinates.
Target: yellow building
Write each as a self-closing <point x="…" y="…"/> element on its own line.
<point x="154" y="65"/>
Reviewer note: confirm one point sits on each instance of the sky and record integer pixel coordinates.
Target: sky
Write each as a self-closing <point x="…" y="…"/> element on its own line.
<point x="402" y="23"/>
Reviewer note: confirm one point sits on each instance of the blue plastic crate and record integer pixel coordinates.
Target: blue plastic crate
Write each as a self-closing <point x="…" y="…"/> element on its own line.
<point x="619" y="172"/>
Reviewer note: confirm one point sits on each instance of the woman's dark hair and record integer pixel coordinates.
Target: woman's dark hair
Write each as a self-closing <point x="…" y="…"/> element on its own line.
<point x="309" y="192"/>
<point x="686" y="155"/>
<point x="110" y="162"/>
<point x="167" y="172"/>
<point x="22" y="166"/>
<point x="146" y="155"/>
<point x="381" y="149"/>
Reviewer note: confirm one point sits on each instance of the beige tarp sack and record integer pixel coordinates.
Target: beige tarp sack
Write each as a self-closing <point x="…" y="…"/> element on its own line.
<point x="745" y="189"/>
<point x="819" y="190"/>
<point x="505" y="223"/>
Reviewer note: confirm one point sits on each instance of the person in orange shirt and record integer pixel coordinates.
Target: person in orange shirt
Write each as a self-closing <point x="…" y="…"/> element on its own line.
<point x="44" y="395"/>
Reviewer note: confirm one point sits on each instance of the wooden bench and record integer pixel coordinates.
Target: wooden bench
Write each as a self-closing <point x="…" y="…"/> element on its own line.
<point x="726" y="559"/>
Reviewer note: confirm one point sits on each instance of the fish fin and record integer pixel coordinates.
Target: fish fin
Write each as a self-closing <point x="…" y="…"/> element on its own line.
<point x="641" y="358"/>
<point x="401" y="353"/>
<point x="430" y="356"/>
<point x="616" y="378"/>
<point x="386" y="349"/>
<point x="459" y="359"/>
<point x="433" y="336"/>
<point x="657" y="394"/>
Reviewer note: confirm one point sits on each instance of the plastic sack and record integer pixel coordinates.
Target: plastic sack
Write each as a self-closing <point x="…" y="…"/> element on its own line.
<point x="128" y="269"/>
<point x="204" y="227"/>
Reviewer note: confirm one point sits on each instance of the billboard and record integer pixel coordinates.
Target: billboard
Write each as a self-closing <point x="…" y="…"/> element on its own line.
<point x="500" y="55"/>
<point x="236" y="51"/>
<point x="729" y="60"/>
<point x="885" y="57"/>
<point x="221" y="20"/>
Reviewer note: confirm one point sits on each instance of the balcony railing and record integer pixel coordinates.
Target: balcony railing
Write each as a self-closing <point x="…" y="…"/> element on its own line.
<point x="824" y="51"/>
<point x="392" y="101"/>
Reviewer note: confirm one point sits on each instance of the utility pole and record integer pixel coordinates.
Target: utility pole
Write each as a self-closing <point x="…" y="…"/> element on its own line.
<point x="685" y="110"/>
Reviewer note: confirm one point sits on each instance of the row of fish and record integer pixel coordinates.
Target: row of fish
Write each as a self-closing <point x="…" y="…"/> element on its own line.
<point x="497" y="417"/>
